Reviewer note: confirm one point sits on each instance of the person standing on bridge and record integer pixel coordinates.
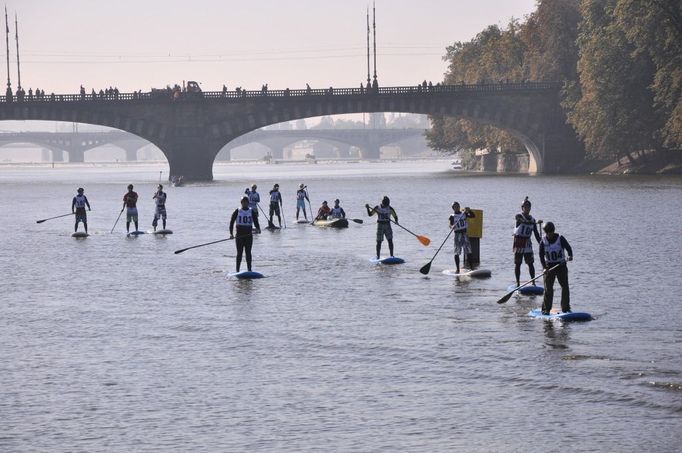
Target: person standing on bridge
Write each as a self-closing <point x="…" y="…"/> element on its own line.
<point x="384" y="213"/>
<point x="130" y="203"/>
<point x="301" y="197"/>
<point x="458" y="221"/>
<point x="275" y="204"/>
<point x="526" y="228"/>
<point x="160" y="211"/>
<point x="245" y="221"/>
<point x="78" y="205"/>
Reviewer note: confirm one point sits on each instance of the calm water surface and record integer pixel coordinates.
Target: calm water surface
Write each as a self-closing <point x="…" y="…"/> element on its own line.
<point x="117" y="344"/>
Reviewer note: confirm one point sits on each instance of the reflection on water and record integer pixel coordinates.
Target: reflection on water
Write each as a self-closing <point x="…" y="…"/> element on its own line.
<point x="115" y="344"/>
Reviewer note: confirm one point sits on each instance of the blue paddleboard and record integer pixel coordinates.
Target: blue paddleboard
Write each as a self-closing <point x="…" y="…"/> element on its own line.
<point x="573" y="316"/>
<point x="135" y="233"/>
<point x="529" y="290"/>
<point x="245" y="275"/>
<point x="389" y="260"/>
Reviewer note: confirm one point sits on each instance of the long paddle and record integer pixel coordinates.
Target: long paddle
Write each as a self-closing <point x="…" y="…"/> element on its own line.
<point x="270" y="224"/>
<point x="310" y="206"/>
<point x="427" y="267"/>
<point x="281" y="207"/>
<point x="55" y="217"/>
<point x="202" y="245"/>
<point x="117" y="219"/>
<point x="423" y="239"/>
<point x="509" y="294"/>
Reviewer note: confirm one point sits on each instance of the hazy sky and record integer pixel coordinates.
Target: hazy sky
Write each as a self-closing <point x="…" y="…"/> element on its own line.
<point x="139" y="44"/>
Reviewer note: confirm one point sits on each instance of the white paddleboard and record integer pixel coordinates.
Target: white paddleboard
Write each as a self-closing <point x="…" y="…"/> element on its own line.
<point x="476" y="273"/>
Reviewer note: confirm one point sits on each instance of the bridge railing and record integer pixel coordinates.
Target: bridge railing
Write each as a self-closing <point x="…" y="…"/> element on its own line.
<point x="235" y="95"/>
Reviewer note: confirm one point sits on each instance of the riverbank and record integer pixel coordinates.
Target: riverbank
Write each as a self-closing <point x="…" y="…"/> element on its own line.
<point x="646" y="163"/>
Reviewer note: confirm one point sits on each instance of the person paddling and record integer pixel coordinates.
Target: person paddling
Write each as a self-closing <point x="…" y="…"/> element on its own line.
<point x="275" y="203"/>
<point x="301" y="197"/>
<point x="130" y="203"/>
<point x="323" y="212"/>
<point x="254" y="199"/>
<point x="245" y="220"/>
<point x="337" y="211"/>
<point x="78" y="205"/>
<point x="526" y="227"/>
<point x="160" y="211"/>
<point x="384" y="212"/>
<point x="458" y="222"/>
<point x="552" y="249"/>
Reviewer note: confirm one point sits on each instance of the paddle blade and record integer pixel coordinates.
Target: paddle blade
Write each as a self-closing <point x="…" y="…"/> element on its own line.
<point x="426" y="268"/>
<point x="424" y="240"/>
<point x="358" y="220"/>
<point x="180" y="251"/>
<point x="40" y="221"/>
<point x="506" y="297"/>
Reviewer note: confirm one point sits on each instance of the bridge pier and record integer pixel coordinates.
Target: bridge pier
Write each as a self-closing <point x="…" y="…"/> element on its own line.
<point x="191" y="157"/>
<point x="76" y="155"/>
<point x="371" y="151"/>
<point x="57" y="155"/>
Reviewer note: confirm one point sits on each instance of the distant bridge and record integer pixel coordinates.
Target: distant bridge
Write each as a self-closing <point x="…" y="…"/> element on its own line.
<point x="76" y="143"/>
<point x="190" y="130"/>
<point x="368" y="140"/>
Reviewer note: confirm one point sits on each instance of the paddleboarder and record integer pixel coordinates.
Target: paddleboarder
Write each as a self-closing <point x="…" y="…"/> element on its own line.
<point x="323" y="212"/>
<point x="526" y="227"/>
<point x="78" y="205"/>
<point x="275" y="203"/>
<point x="384" y="212"/>
<point x="254" y="199"/>
<point x="160" y="211"/>
<point x="458" y="222"/>
<point x="552" y="249"/>
<point x="130" y="203"/>
<point x="245" y="220"/>
<point x="301" y="197"/>
<point x="337" y="211"/>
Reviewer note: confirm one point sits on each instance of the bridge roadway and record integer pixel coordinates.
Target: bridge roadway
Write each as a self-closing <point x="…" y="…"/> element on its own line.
<point x="191" y="129"/>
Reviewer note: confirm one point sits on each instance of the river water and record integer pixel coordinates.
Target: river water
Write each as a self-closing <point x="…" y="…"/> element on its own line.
<point x="117" y="344"/>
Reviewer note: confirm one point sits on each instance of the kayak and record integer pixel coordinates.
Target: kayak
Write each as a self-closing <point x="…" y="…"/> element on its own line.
<point x="332" y="223"/>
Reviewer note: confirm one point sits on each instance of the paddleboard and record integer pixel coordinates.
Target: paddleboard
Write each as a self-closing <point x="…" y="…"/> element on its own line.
<point x="272" y="228"/>
<point x="80" y="234"/>
<point x="389" y="260"/>
<point x="573" y="316"/>
<point x="245" y="275"/>
<point x="162" y="232"/>
<point x="529" y="290"/>
<point x="476" y="273"/>
<point x="135" y="233"/>
<point x="302" y="221"/>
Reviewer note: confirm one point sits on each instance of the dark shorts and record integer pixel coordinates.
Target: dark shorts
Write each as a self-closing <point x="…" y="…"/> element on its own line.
<point x="384" y="229"/>
<point x="519" y="257"/>
<point x="274" y="208"/>
<point x="81" y="215"/>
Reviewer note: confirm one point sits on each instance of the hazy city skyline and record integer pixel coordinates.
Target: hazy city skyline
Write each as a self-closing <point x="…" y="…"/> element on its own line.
<point x="139" y="45"/>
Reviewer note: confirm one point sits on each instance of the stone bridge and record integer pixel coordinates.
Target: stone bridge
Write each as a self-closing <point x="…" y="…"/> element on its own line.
<point x="76" y="143"/>
<point x="369" y="140"/>
<point x="191" y="128"/>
